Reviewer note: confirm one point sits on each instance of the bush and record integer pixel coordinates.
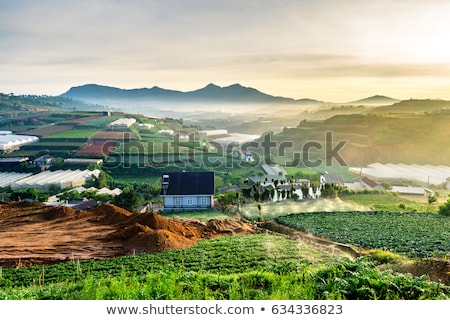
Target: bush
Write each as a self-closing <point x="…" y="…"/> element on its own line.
<point x="444" y="209"/>
<point x="379" y="256"/>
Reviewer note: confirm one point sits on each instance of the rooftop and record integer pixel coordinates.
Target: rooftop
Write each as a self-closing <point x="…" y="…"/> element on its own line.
<point x="189" y="183"/>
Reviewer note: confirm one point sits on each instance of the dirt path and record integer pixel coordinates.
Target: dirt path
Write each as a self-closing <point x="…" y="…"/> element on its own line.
<point x="323" y="244"/>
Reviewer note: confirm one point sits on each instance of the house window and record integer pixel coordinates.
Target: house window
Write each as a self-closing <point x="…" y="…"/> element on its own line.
<point x="190" y="201"/>
<point x="204" y="201"/>
<point x="178" y="201"/>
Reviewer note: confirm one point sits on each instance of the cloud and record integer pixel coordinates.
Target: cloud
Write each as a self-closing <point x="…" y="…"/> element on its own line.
<point x="186" y="43"/>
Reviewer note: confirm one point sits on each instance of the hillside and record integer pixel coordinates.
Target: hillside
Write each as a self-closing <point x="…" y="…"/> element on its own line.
<point x="389" y="138"/>
<point x="415" y="106"/>
<point x="34" y="103"/>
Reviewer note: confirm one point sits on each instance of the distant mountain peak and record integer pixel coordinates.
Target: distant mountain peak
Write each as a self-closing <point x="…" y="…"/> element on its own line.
<point x="212" y="86"/>
<point x="375" y="100"/>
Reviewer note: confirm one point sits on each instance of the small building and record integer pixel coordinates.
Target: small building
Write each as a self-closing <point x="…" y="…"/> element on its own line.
<point x="45" y="160"/>
<point x="86" y="205"/>
<point x="364" y="183"/>
<point x="12" y="142"/>
<point x="371" y="184"/>
<point x="182" y="191"/>
<point x="121" y="124"/>
<point x="335" y="178"/>
<point x="83" y="161"/>
<point x="166" y="132"/>
<point x="212" y="133"/>
<point x="13" y="163"/>
<point x="247" y="156"/>
<point x="144" y="126"/>
<point x="410" y="191"/>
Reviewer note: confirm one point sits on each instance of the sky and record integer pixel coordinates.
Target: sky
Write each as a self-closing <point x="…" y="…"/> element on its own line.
<point x="330" y="50"/>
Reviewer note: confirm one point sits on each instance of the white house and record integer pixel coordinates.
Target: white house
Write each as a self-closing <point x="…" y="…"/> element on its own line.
<point x="182" y="191"/>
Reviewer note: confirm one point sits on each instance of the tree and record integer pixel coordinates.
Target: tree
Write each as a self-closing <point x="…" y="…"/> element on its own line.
<point x="53" y="189"/>
<point x="128" y="199"/>
<point x="101" y="181"/>
<point x="305" y="191"/>
<point x="30" y="193"/>
<point x="444" y="209"/>
<point x="227" y="199"/>
<point x="260" y="219"/>
<point x="432" y="198"/>
<point x="329" y="190"/>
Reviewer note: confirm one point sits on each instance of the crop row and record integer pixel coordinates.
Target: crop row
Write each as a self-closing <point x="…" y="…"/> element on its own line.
<point x="411" y="234"/>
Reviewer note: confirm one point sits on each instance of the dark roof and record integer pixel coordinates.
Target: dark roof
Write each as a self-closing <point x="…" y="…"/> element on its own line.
<point x="369" y="182"/>
<point x="334" y="178"/>
<point x="186" y="183"/>
<point x="262" y="179"/>
<point x="228" y="189"/>
<point x="86" y="205"/>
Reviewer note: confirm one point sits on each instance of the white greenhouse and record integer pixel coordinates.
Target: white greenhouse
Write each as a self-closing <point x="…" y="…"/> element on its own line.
<point x="63" y="179"/>
<point x="426" y="174"/>
<point x="7" y="178"/>
<point x="10" y="142"/>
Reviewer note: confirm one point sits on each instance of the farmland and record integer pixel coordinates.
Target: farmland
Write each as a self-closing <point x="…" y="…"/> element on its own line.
<point x="255" y="266"/>
<point x="241" y="267"/>
<point x="410" y="234"/>
<point x="74" y="134"/>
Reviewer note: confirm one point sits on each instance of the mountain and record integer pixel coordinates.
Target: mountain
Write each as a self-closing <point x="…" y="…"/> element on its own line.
<point x="375" y="100"/>
<point x="235" y="93"/>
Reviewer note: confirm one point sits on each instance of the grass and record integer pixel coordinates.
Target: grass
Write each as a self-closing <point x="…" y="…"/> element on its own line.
<point x="100" y="123"/>
<point x="74" y="134"/>
<point x="387" y="202"/>
<point x="273" y="210"/>
<point x="203" y="215"/>
<point x="292" y="171"/>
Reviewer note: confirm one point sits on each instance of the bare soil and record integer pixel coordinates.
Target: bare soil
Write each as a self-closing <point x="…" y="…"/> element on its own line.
<point x="34" y="233"/>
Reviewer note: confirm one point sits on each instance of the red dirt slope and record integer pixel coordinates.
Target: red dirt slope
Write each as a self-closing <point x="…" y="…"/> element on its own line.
<point x="34" y="233"/>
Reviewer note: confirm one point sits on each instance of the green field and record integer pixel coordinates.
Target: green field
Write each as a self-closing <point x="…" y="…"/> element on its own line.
<point x="74" y="134"/>
<point x="204" y="215"/>
<point x="276" y="209"/>
<point x="387" y="202"/>
<point x="99" y="123"/>
<point x="253" y="267"/>
<point x="410" y="234"/>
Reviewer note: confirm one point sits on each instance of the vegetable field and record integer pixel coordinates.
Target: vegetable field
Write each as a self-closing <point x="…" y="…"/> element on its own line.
<point x="255" y="267"/>
<point x="411" y="234"/>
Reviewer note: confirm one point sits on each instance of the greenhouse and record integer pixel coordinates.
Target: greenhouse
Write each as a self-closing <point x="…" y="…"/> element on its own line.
<point x="10" y="142"/>
<point x="427" y="174"/>
<point x="7" y="178"/>
<point x="63" y="179"/>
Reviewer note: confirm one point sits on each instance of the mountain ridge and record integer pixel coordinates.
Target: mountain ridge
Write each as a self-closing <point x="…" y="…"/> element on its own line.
<point x="232" y="93"/>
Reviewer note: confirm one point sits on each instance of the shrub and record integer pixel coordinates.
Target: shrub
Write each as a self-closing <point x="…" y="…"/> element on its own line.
<point x="444" y="209"/>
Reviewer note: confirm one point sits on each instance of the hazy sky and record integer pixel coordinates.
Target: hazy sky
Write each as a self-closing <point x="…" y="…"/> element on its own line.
<point x="334" y="50"/>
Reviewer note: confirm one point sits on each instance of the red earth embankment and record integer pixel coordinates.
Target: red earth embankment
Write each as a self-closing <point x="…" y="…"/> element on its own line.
<point x="33" y="233"/>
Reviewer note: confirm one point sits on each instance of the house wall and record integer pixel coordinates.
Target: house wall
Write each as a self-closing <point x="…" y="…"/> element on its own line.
<point x="183" y="202"/>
